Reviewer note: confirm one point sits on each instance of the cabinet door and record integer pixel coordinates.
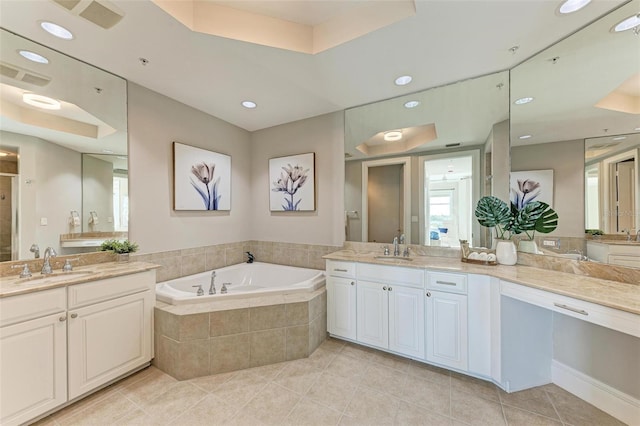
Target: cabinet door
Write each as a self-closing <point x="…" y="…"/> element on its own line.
<point x="341" y="307"/>
<point x="480" y="323"/>
<point x="107" y="340"/>
<point x="33" y="361"/>
<point x="406" y="321"/>
<point x="373" y="314"/>
<point x="447" y="329"/>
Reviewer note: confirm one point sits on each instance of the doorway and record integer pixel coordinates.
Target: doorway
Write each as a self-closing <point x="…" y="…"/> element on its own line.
<point x="386" y="200"/>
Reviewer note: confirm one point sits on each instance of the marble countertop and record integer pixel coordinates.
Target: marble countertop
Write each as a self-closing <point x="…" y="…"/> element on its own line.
<point x="12" y="286"/>
<point x="617" y="242"/>
<point x="613" y="294"/>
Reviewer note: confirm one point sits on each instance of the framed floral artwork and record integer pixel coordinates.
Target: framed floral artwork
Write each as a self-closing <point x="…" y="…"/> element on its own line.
<point x="292" y="183"/>
<point x="201" y="179"/>
<point x="534" y="185"/>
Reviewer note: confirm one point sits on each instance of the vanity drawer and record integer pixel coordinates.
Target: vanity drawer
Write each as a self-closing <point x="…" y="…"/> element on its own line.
<point x="615" y="319"/>
<point x="110" y="288"/>
<point x="445" y="281"/>
<point x="391" y="274"/>
<point x="341" y="269"/>
<point x="24" y="307"/>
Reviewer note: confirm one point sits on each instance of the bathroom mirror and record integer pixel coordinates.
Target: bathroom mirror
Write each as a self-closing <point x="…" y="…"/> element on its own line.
<point x="53" y="109"/>
<point x="415" y="165"/>
<point x="584" y="88"/>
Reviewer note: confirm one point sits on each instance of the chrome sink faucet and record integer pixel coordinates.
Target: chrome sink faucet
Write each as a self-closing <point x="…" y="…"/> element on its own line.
<point x="49" y="252"/>
<point x="396" y="247"/>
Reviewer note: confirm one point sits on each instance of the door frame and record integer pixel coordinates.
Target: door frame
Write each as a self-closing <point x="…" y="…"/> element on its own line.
<point x="406" y="209"/>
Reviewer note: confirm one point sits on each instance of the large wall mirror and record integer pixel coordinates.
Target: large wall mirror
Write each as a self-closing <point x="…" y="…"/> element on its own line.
<point x="416" y="165"/>
<point x="63" y="152"/>
<point x="575" y="109"/>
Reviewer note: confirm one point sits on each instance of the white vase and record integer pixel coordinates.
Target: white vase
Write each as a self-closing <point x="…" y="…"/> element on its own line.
<point x="506" y="253"/>
<point x="528" y="246"/>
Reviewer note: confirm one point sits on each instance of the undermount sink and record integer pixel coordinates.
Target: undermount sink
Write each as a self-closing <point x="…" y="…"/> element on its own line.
<point x="37" y="278"/>
<point x="394" y="258"/>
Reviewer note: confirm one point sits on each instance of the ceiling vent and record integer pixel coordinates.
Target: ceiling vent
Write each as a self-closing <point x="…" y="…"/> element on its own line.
<point x="21" y="74"/>
<point x="100" y="12"/>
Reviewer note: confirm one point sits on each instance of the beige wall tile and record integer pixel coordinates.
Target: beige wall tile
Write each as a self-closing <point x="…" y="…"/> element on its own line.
<point x="166" y="324"/>
<point x="193" y="264"/>
<point x="223" y="323"/>
<point x="297" y="341"/>
<point x="317" y="332"/>
<point x="318" y="306"/>
<point x="229" y="353"/>
<point x="193" y="251"/>
<point x="267" y="317"/>
<point x="171" y="267"/>
<point x="297" y="313"/>
<point x="167" y="352"/>
<point x="193" y="359"/>
<point x="234" y="255"/>
<point x="214" y="258"/>
<point x="267" y="347"/>
<point x="193" y="327"/>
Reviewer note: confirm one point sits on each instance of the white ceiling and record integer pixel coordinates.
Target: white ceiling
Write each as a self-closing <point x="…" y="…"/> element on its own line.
<point x="445" y="41"/>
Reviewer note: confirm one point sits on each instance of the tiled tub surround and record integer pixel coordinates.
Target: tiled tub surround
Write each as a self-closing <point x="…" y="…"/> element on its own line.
<point x="216" y="337"/>
<point x="180" y="263"/>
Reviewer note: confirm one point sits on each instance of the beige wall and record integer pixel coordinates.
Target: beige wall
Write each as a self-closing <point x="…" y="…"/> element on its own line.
<point x="155" y="121"/>
<point x="54" y="190"/>
<point x="97" y="193"/>
<point x="385" y="203"/>
<point x="323" y="135"/>
<point x="567" y="161"/>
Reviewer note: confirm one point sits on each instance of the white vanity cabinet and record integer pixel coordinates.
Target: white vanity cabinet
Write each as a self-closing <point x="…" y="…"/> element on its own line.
<point x="33" y="355"/>
<point x="59" y="344"/>
<point x="619" y="253"/>
<point x="447" y="329"/>
<point x="109" y="329"/>
<point x="390" y="308"/>
<point x="341" y="299"/>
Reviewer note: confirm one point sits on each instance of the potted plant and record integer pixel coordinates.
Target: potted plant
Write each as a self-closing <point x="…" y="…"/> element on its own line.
<point x="511" y="220"/>
<point x="121" y="248"/>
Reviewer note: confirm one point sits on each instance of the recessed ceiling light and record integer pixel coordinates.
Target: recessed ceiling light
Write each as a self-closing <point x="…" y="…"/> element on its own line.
<point x="32" y="56"/>
<point x="403" y="80"/>
<point x="411" y="104"/>
<point x="637" y="129"/>
<point x="619" y="138"/>
<point x="570" y="6"/>
<point x="523" y="101"/>
<point x="525" y="137"/>
<point x="56" y="30"/>
<point x="40" y="101"/>
<point x="107" y="151"/>
<point x="393" y="136"/>
<point x="249" y="104"/>
<point x="627" y="24"/>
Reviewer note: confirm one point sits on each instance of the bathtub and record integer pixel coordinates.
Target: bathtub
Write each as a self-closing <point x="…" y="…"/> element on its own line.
<point x="242" y="280"/>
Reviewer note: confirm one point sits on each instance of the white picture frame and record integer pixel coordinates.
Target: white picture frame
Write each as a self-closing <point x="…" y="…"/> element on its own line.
<point x="532" y="185"/>
<point x="292" y="183"/>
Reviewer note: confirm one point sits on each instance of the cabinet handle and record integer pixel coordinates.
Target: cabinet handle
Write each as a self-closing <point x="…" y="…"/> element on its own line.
<point x="428" y="294"/>
<point x="340" y="270"/>
<point x="353" y="283"/>
<point x="390" y="289"/>
<point x="569" y="308"/>
<point x="384" y="288"/>
<point x="62" y="319"/>
<point x="445" y="282"/>
<point x="74" y="315"/>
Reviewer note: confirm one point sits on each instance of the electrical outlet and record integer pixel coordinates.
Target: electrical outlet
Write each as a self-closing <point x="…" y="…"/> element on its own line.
<point x="43" y="221"/>
<point x="551" y="243"/>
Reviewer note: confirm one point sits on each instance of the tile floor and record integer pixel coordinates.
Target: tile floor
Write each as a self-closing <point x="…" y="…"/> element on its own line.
<point x="340" y="383"/>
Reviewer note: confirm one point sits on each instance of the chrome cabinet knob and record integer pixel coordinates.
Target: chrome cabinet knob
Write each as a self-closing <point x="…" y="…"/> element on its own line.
<point x="353" y="283"/>
<point x="74" y="315"/>
<point x="428" y="294"/>
<point x="384" y="288"/>
<point x="62" y="319"/>
<point x="390" y="288"/>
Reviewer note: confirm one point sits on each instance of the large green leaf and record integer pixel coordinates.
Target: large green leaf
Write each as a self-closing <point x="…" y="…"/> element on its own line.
<point x="526" y="218"/>
<point x="492" y="212"/>
<point x="548" y="220"/>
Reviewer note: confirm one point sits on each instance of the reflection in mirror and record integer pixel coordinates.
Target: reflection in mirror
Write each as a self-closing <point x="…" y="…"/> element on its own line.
<point x="394" y="189"/>
<point x="51" y="113"/>
<point x="585" y="87"/>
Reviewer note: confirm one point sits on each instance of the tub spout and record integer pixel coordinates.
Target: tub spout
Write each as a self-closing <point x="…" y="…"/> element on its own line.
<point x="212" y="288"/>
<point x="250" y="257"/>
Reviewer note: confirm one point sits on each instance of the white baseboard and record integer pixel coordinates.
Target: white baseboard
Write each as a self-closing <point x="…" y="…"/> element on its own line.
<point x="610" y="400"/>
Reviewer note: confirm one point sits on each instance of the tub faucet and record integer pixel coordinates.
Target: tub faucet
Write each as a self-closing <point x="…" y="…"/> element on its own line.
<point x="396" y="247"/>
<point x="212" y="288"/>
<point x="250" y="257"/>
<point x="49" y="252"/>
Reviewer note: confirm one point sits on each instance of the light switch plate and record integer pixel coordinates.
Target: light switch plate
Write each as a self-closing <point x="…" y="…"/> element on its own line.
<point x="43" y="221"/>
